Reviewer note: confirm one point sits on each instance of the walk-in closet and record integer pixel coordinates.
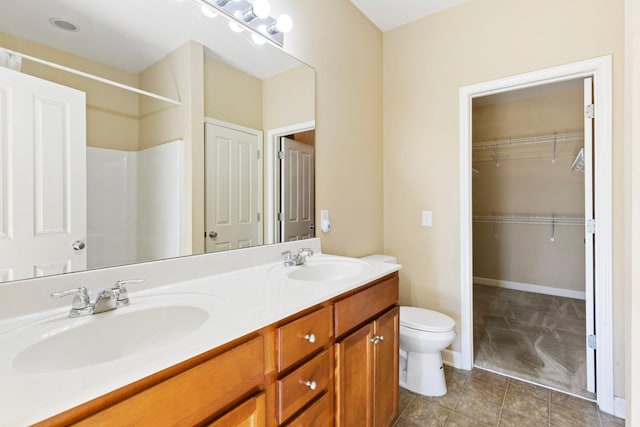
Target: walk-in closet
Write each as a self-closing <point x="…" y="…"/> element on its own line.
<point x="529" y="248"/>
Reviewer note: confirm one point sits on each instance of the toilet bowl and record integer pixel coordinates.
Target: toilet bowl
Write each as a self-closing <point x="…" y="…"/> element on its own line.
<point x="423" y="335"/>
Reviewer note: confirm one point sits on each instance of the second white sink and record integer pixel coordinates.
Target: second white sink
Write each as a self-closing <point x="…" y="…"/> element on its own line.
<point x="329" y="270"/>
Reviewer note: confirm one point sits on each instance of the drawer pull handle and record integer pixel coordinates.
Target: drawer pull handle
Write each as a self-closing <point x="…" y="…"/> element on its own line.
<point x="377" y="339"/>
<point x="312" y="385"/>
<point x="311" y="338"/>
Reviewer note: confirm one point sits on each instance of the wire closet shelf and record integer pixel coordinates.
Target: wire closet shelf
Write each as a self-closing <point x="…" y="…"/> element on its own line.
<point x="495" y="150"/>
<point x="533" y="220"/>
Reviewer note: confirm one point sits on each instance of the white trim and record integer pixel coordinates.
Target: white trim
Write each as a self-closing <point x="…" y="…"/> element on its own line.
<point x="619" y="407"/>
<point x="600" y="69"/>
<point x="271" y="172"/>
<point x="528" y="287"/>
<point x="260" y="135"/>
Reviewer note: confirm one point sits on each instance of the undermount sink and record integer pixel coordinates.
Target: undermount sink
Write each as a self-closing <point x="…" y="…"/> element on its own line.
<point x="329" y="270"/>
<point x="62" y="343"/>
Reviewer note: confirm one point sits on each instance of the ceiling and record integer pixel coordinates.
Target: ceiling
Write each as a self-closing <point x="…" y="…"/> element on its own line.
<point x="389" y="14"/>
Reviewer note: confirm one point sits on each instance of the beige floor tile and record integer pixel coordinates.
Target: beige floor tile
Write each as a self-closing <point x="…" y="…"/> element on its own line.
<point x="425" y="413"/>
<point x="521" y="402"/>
<point x="512" y="419"/>
<point x="478" y="409"/>
<point x="611" y="421"/>
<point x="459" y="420"/>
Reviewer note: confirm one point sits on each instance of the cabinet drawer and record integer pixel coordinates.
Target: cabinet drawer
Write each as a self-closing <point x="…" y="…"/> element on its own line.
<point x="303" y="336"/>
<point x="317" y="415"/>
<point x="295" y="390"/>
<point x="356" y="309"/>
<point x="193" y="395"/>
<point x="250" y="413"/>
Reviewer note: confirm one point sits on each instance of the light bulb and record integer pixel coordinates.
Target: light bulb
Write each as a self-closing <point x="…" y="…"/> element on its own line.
<point x="259" y="40"/>
<point x="261" y="8"/>
<point x="284" y="24"/>
<point x="235" y="27"/>
<point x="206" y="11"/>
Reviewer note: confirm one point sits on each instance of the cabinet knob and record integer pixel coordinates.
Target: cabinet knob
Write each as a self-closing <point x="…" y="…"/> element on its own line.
<point x="312" y="385"/>
<point x="377" y="339"/>
<point x="311" y="338"/>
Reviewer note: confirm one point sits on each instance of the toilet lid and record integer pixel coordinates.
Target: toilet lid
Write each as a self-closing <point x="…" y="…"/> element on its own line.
<point x="425" y="320"/>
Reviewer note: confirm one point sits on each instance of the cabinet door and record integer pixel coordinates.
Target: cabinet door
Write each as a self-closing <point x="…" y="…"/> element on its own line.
<point x="251" y="413"/>
<point x="354" y="379"/>
<point x="385" y="389"/>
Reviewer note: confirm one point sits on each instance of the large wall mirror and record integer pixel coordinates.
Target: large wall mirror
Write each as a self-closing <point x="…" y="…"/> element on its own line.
<point x="137" y="130"/>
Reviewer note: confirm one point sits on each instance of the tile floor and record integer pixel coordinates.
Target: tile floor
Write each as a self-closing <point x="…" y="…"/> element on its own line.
<point x="482" y="398"/>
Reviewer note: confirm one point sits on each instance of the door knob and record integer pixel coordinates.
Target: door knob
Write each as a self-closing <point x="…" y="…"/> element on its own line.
<point x="213" y="234"/>
<point x="78" y="245"/>
<point x="312" y="226"/>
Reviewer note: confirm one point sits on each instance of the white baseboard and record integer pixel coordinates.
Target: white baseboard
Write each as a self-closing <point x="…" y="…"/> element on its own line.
<point x="619" y="407"/>
<point x="452" y="358"/>
<point x="527" y="287"/>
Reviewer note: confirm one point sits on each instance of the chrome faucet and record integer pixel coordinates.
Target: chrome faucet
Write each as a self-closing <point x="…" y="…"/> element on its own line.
<point x="107" y="300"/>
<point x="299" y="259"/>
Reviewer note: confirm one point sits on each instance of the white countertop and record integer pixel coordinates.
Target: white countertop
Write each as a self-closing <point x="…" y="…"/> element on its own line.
<point x="239" y="302"/>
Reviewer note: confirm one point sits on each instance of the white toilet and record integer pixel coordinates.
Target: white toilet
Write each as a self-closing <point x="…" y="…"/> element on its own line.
<point x="423" y="335"/>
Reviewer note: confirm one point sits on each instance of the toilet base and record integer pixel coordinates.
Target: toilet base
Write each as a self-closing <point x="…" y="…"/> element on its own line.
<point x="423" y="373"/>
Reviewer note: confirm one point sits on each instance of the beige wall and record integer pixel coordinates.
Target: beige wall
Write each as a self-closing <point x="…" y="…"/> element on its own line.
<point x="232" y="95"/>
<point x="425" y="64"/>
<point x="112" y="114"/>
<point x="527" y="182"/>
<point x="289" y="98"/>
<point x="632" y="210"/>
<point x="346" y="51"/>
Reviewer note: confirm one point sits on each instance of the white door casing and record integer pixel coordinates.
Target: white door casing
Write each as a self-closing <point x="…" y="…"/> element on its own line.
<point x="43" y="178"/>
<point x="297" y="190"/>
<point x="589" y="236"/>
<point x="601" y="70"/>
<point x="233" y="186"/>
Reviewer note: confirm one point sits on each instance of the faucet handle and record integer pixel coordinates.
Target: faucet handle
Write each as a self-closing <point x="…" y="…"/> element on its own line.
<point x="307" y="250"/>
<point x="81" y="297"/>
<point x="123" y="297"/>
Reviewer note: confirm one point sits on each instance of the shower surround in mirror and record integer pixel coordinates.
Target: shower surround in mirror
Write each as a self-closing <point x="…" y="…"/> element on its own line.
<point x="133" y="204"/>
<point x="530" y="336"/>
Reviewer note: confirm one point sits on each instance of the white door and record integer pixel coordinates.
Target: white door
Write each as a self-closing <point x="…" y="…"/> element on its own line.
<point x="232" y="188"/>
<point x="297" y="190"/>
<point x="589" y="237"/>
<point x="42" y="179"/>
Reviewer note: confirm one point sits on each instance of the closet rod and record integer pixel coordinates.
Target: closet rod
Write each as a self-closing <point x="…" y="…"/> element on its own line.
<point x="91" y="76"/>
<point x="560" y="137"/>
<point x="534" y="220"/>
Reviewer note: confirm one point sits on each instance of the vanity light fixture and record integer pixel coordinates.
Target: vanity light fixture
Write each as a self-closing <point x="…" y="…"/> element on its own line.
<point x="207" y="11"/>
<point x="255" y="15"/>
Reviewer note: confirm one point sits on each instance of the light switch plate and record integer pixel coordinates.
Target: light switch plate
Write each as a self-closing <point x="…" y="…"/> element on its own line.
<point x="427" y="218"/>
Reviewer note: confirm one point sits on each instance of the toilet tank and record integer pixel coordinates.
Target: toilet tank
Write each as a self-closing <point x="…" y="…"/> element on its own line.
<point x="381" y="258"/>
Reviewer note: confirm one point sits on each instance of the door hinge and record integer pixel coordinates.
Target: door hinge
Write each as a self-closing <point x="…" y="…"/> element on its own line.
<point x="591" y="341"/>
<point x="258" y="154"/>
<point x="590" y="111"/>
<point x="258" y="217"/>
<point x="281" y="155"/>
<point x="591" y="226"/>
<point x="280" y="216"/>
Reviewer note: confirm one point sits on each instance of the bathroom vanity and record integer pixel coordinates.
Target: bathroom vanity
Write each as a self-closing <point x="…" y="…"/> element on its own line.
<point x="310" y="345"/>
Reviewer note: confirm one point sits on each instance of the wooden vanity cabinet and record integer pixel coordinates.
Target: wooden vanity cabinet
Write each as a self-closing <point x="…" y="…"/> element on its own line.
<point x="335" y="362"/>
<point x="367" y="356"/>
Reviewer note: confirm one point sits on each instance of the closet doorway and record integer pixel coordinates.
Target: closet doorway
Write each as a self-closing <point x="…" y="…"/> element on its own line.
<point x="602" y="311"/>
<point x="532" y="255"/>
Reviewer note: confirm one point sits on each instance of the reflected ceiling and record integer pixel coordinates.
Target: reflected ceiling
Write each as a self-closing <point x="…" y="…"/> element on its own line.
<point x="111" y="32"/>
